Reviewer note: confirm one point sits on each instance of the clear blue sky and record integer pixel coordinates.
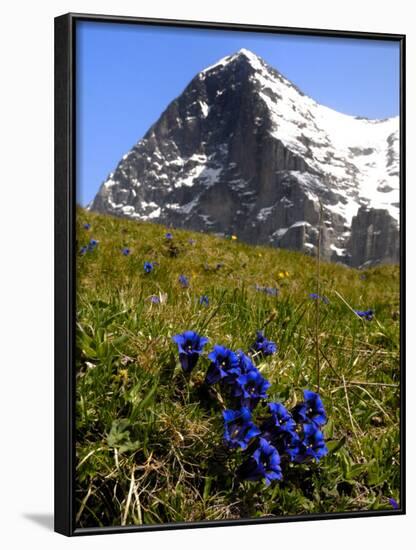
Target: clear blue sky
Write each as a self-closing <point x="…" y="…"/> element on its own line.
<point x="128" y="74"/>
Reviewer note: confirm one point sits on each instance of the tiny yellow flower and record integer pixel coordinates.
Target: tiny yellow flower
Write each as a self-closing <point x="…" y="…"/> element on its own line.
<point x="123" y="374"/>
<point x="281" y="275"/>
<point x="233" y="237"/>
<point x="287" y="273"/>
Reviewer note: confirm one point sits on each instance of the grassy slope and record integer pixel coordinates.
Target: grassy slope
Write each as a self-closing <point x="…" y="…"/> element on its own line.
<point x="149" y="444"/>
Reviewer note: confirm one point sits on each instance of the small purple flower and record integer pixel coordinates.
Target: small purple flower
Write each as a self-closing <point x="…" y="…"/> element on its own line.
<point x="239" y="428"/>
<point x="148" y="267"/>
<point x="83" y="250"/>
<point x="393" y="503"/>
<point x="155" y="299"/>
<point x="87" y="226"/>
<point x="125" y="251"/>
<point x="92" y="245"/>
<point x="204" y="300"/>
<point x="314" y="296"/>
<point x="169" y="236"/>
<point x="267" y="290"/>
<point x="183" y="281"/>
<point x="368" y="315"/>
<point x="190" y="346"/>
<point x="263" y="346"/>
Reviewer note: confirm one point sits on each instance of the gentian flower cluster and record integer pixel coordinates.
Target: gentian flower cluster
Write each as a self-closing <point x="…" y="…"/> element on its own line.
<point x="267" y="442"/>
<point x="90" y="247"/>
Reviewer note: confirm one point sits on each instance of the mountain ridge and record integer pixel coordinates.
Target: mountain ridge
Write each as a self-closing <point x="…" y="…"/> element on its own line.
<point x="243" y="150"/>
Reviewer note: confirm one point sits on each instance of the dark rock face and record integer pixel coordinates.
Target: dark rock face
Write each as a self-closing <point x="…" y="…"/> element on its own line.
<point x="374" y="236"/>
<point x="242" y="151"/>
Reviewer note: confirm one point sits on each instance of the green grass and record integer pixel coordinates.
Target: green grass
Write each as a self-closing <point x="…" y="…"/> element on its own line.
<point x="149" y="442"/>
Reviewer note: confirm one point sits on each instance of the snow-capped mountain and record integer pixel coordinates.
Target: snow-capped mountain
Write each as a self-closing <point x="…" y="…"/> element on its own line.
<point x="243" y="151"/>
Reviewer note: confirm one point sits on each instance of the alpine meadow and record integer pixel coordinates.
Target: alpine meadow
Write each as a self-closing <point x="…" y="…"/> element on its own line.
<point x="221" y="380"/>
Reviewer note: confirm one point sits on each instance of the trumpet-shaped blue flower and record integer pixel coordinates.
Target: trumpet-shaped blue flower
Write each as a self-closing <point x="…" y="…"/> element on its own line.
<point x="315" y="296"/>
<point x="393" y="503"/>
<point x="267" y="290"/>
<point x="224" y="363"/>
<point x="204" y="300"/>
<point x="87" y="226"/>
<point x="312" y="444"/>
<point x="239" y="428"/>
<point x="125" y="251"/>
<point x="190" y="346"/>
<point x="280" y="420"/>
<point x="92" y="245"/>
<point x="183" y="281"/>
<point x="264" y="463"/>
<point x="148" y="267"/>
<point x="155" y="299"/>
<point x="311" y="409"/>
<point x="280" y="430"/>
<point x="263" y="346"/>
<point x="83" y="250"/>
<point x="169" y="236"/>
<point x="368" y="314"/>
<point x="251" y="387"/>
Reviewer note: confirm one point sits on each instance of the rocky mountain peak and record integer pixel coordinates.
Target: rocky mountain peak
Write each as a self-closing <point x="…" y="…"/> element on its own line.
<point x="242" y="150"/>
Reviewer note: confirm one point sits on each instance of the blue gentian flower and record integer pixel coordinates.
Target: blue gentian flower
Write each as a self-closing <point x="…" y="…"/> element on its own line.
<point x="251" y="387"/>
<point x="155" y="299"/>
<point x="280" y="419"/>
<point x="83" y="250"/>
<point x="312" y="444"/>
<point x="204" y="300"/>
<point x="394" y="503"/>
<point x="148" y="267"/>
<point x="239" y="428"/>
<point x="280" y="430"/>
<point x="184" y="281"/>
<point x="87" y="226"/>
<point x="271" y="291"/>
<point x="245" y="364"/>
<point x="92" y="245"/>
<point x="367" y="315"/>
<point x="264" y="463"/>
<point x="169" y="236"/>
<point x="224" y="363"/>
<point x="190" y="346"/>
<point x="311" y="409"/>
<point x="263" y="346"/>
<point x="125" y="251"/>
<point x="315" y="296"/>
<point x="267" y="290"/>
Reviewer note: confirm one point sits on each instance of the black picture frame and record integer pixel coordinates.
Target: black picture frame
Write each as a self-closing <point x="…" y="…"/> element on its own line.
<point x="65" y="204"/>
